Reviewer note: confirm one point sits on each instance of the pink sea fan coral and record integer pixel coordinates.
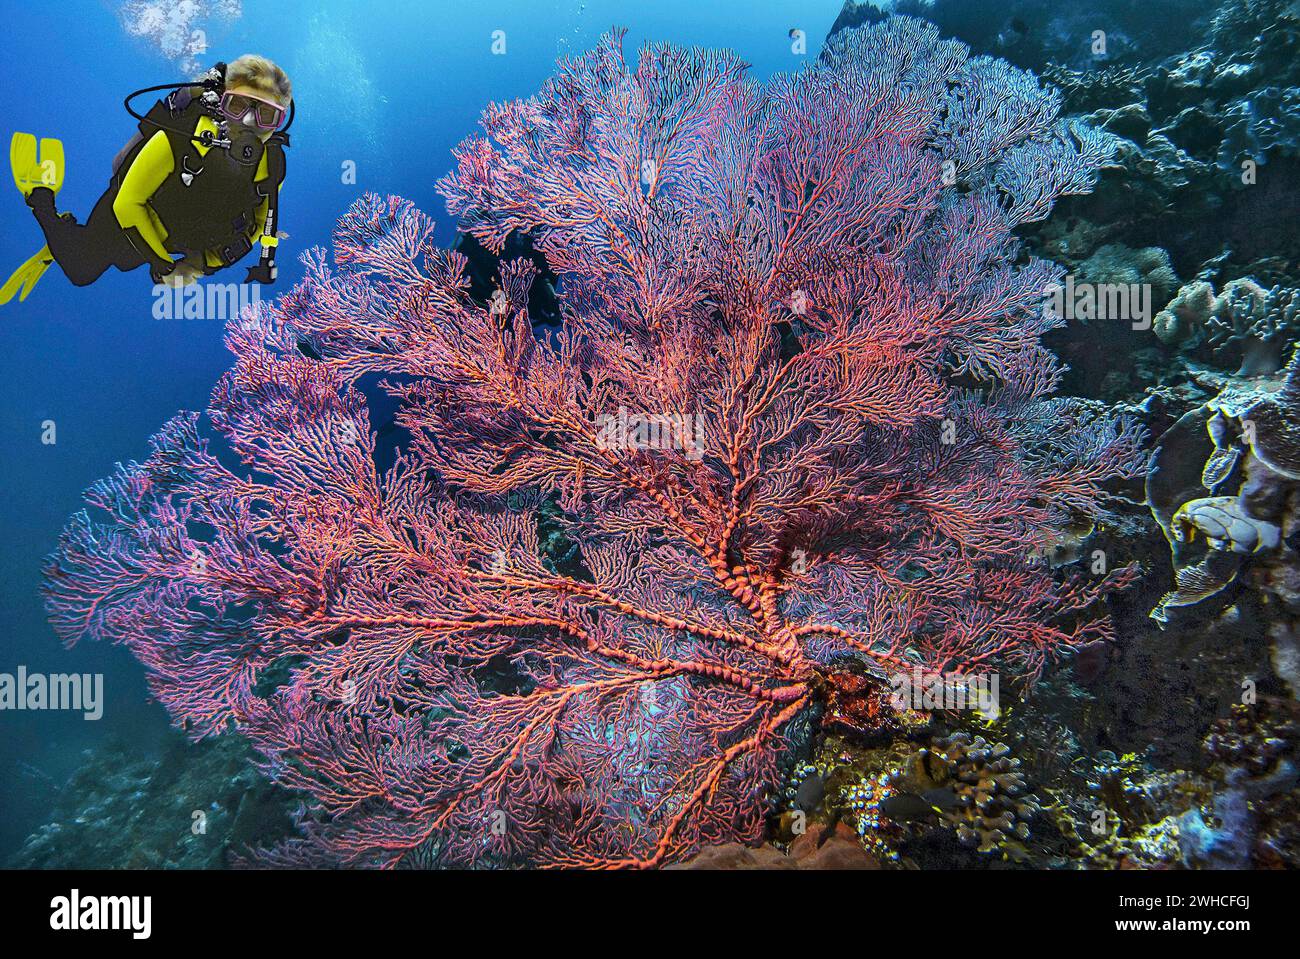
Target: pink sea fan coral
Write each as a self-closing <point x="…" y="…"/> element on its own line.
<point x="796" y="424"/>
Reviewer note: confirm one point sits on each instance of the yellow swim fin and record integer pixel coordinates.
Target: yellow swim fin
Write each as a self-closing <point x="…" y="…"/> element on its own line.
<point x="25" y="277"/>
<point x="32" y="169"/>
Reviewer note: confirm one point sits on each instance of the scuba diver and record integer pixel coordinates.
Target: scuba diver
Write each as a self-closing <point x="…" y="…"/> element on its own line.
<point x="199" y="180"/>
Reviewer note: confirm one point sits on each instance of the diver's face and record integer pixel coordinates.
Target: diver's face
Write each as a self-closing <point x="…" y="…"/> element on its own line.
<point x="251" y="127"/>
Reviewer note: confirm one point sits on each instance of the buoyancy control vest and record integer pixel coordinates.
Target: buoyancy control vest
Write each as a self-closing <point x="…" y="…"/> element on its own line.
<point x="210" y="199"/>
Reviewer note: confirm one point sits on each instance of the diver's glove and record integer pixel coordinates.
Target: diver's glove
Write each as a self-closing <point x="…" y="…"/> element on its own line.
<point x="159" y="273"/>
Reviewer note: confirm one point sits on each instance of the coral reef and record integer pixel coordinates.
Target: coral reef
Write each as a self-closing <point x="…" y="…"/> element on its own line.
<point x="587" y="607"/>
<point x="1248" y="435"/>
<point x="1239" y="813"/>
<point x="863" y="800"/>
<point x="194" y="807"/>
<point x="1191" y="208"/>
<point x="971" y="786"/>
<point x="1034" y="33"/>
<point x="1096" y="811"/>
<point x="992" y="807"/>
<point x="540" y="617"/>
<point x="1203" y="101"/>
<point x="1245" y="320"/>
<point x="1197" y="131"/>
<point x="1115" y="263"/>
<point x="1256" y="755"/>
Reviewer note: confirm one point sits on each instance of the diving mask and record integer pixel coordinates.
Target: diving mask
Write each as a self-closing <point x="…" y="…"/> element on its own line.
<point x="251" y="111"/>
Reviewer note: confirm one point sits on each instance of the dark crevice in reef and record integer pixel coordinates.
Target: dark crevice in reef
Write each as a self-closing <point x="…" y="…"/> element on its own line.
<point x="485" y="278"/>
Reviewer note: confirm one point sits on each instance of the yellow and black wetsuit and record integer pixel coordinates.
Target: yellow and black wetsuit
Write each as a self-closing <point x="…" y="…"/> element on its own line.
<point x="169" y="195"/>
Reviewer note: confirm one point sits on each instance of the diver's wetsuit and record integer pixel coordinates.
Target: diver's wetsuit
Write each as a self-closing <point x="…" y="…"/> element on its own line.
<point x="168" y="195"/>
<point x="84" y="251"/>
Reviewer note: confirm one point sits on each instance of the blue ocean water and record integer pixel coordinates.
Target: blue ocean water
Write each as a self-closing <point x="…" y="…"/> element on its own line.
<point x="391" y="87"/>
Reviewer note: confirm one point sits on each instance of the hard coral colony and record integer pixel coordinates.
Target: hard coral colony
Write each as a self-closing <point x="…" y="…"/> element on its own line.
<point x="521" y="643"/>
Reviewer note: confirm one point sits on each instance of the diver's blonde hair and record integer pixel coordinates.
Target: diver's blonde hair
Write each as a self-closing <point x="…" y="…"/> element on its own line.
<point x="261" y="74"/>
